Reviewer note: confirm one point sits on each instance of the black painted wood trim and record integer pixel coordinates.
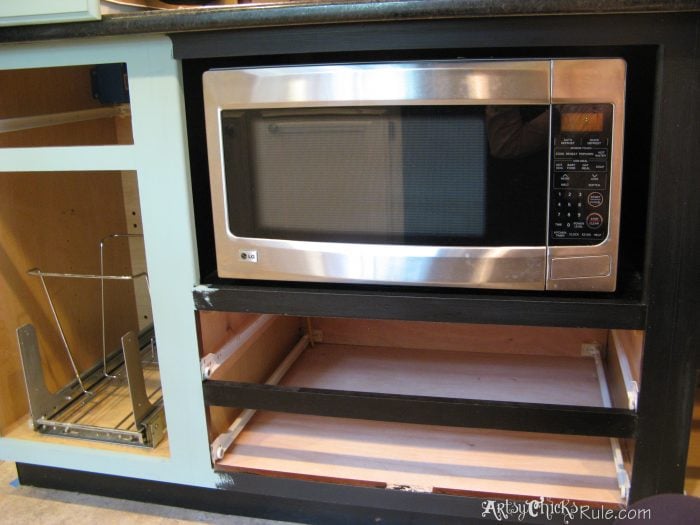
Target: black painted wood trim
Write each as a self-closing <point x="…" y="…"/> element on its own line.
<point x="418" y="305"/>
<point x="279" y="499"/>
<point x="425" y="410"/>
<point x="454" y="33"/>
<point x="672" y="275"/>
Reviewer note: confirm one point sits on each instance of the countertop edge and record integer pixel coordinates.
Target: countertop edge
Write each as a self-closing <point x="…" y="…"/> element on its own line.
<point x="319" y="13"/>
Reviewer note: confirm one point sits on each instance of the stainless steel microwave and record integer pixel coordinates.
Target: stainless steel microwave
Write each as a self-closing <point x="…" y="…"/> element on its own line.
<point x="478" y="174"/>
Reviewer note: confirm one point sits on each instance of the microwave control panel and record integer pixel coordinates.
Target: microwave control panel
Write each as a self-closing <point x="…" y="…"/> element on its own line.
<point x="580" y="174"/>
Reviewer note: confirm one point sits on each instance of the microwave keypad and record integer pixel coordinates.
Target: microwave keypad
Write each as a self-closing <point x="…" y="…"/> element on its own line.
<point x="580" y="178"/>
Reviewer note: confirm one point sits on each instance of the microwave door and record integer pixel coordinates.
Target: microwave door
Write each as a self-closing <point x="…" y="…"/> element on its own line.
<point x="414" y="195"/>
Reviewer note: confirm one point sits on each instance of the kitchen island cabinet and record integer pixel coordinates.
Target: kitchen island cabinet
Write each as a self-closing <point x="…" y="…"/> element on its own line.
<point x="645" y="334"/>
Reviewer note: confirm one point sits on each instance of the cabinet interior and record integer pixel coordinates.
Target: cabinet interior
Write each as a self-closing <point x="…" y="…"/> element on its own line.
<point x="63" y="225"/>
<point x="564" y="366"/>
<point x="58" y="106"/>
<point x="72" y="260"/>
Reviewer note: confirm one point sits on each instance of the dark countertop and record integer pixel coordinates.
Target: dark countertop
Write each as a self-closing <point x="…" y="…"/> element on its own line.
<point x="327" y="12"/>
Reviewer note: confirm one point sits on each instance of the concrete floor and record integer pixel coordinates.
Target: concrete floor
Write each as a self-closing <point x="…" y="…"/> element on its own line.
<point x="33" y="506"/>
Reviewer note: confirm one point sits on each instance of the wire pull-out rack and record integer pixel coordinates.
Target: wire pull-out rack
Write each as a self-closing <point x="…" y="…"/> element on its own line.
<point x="117" y="400"/>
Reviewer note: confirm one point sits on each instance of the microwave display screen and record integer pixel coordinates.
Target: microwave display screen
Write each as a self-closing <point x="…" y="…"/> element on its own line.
<point x="579" y="122"/>
<point x="421" y="175"/>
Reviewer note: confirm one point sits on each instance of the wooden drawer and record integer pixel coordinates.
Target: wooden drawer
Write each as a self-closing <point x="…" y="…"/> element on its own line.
<point x="532" y="366"/>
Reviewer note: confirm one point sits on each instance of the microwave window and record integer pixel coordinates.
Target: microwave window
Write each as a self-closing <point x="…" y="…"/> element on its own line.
<point x="424" y="175"/>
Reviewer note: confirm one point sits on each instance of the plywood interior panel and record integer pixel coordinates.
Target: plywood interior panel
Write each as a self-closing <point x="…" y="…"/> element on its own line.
<point x="38" y="91"/>
<point x="134" y="225"/>
<point x="216" y="328"/>
<point x="46" y="91"/>
<point x="531" y="340"/>
<point x="54" y="221"/>
<point x="91" y="133"/>
<point x="253" y="362"/>
<point x="446" y="373"/>
<point x="631" y="342"/>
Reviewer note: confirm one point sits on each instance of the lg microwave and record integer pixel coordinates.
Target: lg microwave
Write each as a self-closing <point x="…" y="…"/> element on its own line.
<point x="503" y="174"/>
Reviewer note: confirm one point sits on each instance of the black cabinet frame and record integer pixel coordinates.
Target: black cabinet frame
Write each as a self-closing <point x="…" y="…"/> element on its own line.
<point x="425" y="410"/>
<point x="658" y="294"/>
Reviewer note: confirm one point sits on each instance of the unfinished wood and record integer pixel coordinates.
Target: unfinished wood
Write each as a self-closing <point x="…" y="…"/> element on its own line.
<point x="246" y="415"/>
<point x="28" y="92"/>
<point x="217" y="328"/>
<point x="445" y="373"/>
<point x="32" y="92"/>
<point x="692" y="479"/>
<point x="22" y="430"/>
<point x="214" y="329"/>
<point x="423" y="457"/>
<point x="54" y="221"/>
<point x="254" y="362"/>
<point x="529" y="340"/>
<point x="91" y="133"/>
<point x="134" y="225"/>
<point x="631" y="342"/>
<point x="622" y="373"/>
<point x="58" y="119"/>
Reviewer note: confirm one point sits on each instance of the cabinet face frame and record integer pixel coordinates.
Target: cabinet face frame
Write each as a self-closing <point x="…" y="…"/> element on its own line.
<point x="158" y="156"/>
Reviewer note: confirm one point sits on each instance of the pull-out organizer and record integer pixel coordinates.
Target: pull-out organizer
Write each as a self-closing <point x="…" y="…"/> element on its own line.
<point x="116" y="400"/>
<point x="429" y="407"/>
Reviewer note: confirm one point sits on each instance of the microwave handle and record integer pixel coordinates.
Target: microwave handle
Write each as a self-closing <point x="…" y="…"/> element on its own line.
<point x="300" y="127"/>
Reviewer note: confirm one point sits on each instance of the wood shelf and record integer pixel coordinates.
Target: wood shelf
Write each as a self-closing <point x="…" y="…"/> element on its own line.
<point x="462" y="306"/>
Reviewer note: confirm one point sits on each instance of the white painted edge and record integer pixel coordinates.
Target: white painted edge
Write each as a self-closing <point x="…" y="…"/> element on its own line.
<point x="28" y="12"/>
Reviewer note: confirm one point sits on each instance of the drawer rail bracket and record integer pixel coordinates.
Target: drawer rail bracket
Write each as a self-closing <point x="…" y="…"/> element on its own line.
<point x="60" y="413"/>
